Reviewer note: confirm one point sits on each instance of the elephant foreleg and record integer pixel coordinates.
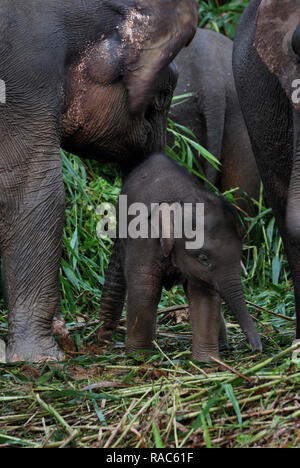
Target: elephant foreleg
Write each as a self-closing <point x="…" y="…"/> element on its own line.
<point x="206" y="319"/>
<point x="144" y="292"/>
<point x="32" y="205"/>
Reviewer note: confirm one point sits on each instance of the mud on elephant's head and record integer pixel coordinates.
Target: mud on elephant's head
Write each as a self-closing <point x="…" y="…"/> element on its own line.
<point x="277" y="42"/>
<point x="118" y="93"/>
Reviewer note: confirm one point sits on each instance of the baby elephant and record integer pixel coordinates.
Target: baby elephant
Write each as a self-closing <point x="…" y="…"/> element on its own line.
<point x="205" y="259"/>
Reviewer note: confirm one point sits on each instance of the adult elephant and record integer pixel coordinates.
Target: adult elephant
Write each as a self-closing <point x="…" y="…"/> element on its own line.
<point x="266" y="67"/>
<point x="89" y="74"/>
<point x="214" y="113"/>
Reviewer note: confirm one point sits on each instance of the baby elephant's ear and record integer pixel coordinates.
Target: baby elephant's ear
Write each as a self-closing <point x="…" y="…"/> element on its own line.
<point x="152" y="34"/>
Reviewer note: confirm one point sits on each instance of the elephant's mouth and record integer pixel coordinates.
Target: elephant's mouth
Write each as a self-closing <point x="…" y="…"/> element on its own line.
<point x="201" y="284"/>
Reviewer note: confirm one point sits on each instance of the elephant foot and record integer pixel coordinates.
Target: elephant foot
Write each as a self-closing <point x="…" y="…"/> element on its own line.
<point x="135" y="347"/>
<point x="45" y="350"/>
<point x="105" y="334"/>
<point x="205" y="353"/>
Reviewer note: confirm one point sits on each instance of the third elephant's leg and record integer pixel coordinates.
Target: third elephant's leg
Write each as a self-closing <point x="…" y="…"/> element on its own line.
<point x="32" y="204"/>
<point x="205" y="310"/>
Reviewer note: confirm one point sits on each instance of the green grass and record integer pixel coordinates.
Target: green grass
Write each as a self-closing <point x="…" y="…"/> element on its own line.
<point x="100" y="397"/>
<point x="221" y="18"/>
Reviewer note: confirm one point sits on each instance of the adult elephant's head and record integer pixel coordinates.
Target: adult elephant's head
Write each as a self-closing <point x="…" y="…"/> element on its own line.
<point x="153" y="33"/>
<point x="278" y="44"/>
<point x="119" y="91"/>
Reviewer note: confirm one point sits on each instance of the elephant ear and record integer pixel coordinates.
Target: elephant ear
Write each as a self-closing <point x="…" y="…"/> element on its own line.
<point x="276" y="23"/>
<point x="152" y="34"/>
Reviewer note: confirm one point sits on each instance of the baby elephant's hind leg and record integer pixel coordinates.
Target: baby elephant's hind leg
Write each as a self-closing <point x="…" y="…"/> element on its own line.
<point x="113" y="296"/>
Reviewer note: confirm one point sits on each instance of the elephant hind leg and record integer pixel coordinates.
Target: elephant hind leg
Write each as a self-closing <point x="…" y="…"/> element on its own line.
<point x="113" y="296"/>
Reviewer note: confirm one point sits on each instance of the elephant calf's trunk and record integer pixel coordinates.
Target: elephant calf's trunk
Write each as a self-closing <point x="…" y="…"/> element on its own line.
<point x="234" y="298"/>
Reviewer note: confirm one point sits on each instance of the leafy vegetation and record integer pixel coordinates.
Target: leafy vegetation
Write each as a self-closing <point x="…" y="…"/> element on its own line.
<point x="100" y="397"/>
<point x="220" y="15"/>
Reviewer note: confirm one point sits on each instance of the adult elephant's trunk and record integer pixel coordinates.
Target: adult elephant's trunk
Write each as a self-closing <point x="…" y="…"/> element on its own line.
<point x="153" y="34"/>
<point x="231" y="291"/>
<point x="293" y="208"/>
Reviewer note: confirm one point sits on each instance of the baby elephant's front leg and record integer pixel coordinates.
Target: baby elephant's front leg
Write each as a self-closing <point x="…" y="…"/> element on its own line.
<point x="144" y="292"/>
<point x="205" y="309"/>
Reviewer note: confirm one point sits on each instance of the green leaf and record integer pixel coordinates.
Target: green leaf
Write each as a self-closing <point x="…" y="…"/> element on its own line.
<point x="276" y="268"/>
<point x="230" y="393"/>
<point x="157" y="439"/>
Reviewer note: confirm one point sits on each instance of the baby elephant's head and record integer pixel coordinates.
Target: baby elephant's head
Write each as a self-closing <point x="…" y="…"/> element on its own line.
<point x="208" y="254"/>
<point x="204" y="241"/>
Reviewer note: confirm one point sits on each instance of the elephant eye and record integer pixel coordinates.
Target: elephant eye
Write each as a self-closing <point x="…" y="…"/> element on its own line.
<point x="203" y="259"/>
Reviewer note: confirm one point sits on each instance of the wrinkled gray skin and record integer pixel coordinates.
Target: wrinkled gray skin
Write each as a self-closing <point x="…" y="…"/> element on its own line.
<point x="214" y="113"/>
<point x="93" y="76"/>
<point x="208" y="274"/>
<point x="266" y="63"/>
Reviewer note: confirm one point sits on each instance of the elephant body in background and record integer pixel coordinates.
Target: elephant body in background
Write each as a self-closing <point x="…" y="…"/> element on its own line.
<point x="266" y="67"/>
<point x="92" y="76"/>
<point x="147" y="264"/>
<point x="214" y="114"/>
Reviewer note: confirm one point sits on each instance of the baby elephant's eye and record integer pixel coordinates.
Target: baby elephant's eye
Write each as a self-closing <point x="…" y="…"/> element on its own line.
<point x="203" y="258"/>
